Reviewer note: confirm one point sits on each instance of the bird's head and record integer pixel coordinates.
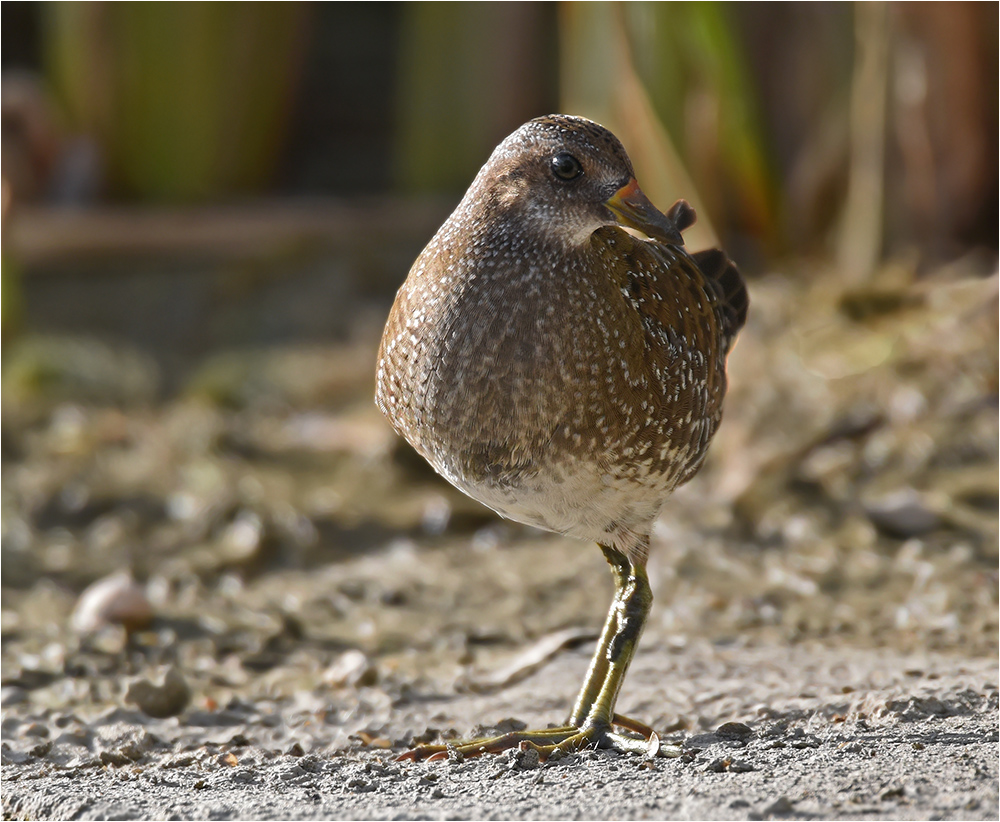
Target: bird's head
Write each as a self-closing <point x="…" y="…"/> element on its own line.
<point x="572" y="176"/>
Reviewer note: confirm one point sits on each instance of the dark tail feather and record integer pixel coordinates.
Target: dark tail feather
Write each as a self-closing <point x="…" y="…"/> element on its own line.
<point x="730" y="288"/>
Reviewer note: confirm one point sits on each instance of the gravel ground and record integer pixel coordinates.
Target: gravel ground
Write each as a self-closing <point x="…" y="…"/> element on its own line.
<point x="809" y="732"/>
<point x="241" y="600"/>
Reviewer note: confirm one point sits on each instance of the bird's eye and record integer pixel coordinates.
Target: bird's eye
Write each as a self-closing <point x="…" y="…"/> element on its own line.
<point x="566" y="167"/>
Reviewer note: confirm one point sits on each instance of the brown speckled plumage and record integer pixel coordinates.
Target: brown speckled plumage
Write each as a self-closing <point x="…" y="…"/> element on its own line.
<point x="549" y="363"/>
<point x="565" y="373"/>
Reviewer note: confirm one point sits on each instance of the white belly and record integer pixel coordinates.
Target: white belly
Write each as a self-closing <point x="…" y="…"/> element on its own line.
<point x="577" y="501"/>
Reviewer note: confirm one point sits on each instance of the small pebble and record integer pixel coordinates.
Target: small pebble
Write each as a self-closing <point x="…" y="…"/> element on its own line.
<point x="12" y="695"/>
<point x="34" y="729"/>
<point x="734" y="730"/>
<point x="182" y="761"/>
<point x="528" y="759"/>
<point x="351" y="669"/>
<point x="781" y="805"/>
<point x="133" y="751"/>
<point x="160" y="701"/>
<point x="116" y="758"/>
<point x="42" y="749"/>
<point x="115" y="600"/>
<point x="902" y="515"/>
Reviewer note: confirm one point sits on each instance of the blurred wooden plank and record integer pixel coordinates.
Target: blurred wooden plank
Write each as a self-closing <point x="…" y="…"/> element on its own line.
<point x="39" y="236"/>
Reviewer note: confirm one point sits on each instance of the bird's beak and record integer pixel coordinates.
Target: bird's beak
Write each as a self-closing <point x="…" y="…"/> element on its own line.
<point x="632" y="208"/>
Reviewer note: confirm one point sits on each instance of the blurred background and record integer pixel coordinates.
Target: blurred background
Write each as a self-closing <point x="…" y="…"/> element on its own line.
<point x="207" y="208"/>
<point x="253" y="135"/>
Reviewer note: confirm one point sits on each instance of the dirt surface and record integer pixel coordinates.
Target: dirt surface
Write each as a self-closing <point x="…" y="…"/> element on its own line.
<point x="913" y="738"/>
<point x="286" y="597"/>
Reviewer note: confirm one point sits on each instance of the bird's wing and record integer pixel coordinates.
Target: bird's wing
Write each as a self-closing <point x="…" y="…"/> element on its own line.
<point x="728" y="290"/>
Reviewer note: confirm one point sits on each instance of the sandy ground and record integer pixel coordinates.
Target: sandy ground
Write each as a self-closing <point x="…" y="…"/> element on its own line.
<point x="844" y="734"/>
<point x="829" y="580"/>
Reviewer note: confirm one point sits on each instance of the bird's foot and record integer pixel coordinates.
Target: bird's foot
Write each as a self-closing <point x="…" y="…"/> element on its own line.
<point x="546" y="743"/>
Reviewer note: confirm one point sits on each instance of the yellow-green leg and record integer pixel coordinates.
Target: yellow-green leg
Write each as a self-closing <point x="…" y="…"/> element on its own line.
<point x="593" y="716"/>
<point x="593" y="712"/>
<point x="598" y="670"/>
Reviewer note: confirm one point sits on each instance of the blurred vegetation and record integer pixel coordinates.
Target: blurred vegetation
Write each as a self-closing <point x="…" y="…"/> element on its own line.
<point x="187" y="100"/>
<point x="671" y="81"/>
<point x="466" y="73"/>
<point x="795" y="127"/>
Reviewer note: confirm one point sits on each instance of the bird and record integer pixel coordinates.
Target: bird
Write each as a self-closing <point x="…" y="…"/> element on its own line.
<point x="557" y="354"/>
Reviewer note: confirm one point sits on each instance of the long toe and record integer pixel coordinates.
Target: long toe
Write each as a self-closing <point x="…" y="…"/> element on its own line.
<point x="595" y="738"/>
<point x="487" y="744"/>
<point x="546" y="742"/>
